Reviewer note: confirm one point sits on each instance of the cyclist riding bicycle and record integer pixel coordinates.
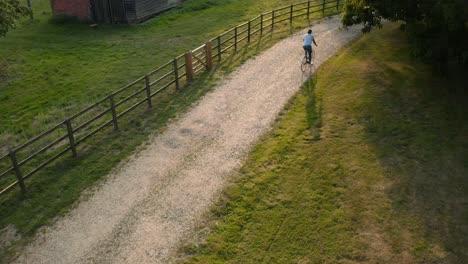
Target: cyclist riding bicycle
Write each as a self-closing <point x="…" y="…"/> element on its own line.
<point x="308" y="40"/>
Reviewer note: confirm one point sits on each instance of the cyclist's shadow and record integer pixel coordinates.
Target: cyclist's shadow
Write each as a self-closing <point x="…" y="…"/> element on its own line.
<point x="308" y="73"/>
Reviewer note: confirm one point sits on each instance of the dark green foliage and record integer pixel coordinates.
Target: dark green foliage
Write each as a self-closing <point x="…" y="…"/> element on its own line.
<point x="10" y="12"/>
<point x="438" y="29"/>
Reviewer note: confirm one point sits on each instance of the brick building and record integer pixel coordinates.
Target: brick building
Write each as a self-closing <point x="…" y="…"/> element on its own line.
<point x="112" y="11"/>
<point x="78" y="8"/>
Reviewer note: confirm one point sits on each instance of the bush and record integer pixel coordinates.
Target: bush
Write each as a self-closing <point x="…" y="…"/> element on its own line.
<point x="10" y="13"/>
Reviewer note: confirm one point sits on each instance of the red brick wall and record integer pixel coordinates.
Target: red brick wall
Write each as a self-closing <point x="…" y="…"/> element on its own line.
<point x="79" y="8"/>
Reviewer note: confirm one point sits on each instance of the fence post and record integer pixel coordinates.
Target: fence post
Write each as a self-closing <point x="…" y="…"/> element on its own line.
<point x="291" y="14"/>
<point x="261" y="24"/>
<point x="114" y="113"/>
<point x="148" y="90"/>
<point x="308" y="10"/>
<point x="337" y="4"/>
<point x="189" y="66"/>
<point x="235" y="38"/>
<point x="176" y="74"/>
<point x="248" y="31"/>
<point x="71" y="138"/>
<point x="323" y="6"/>
<point x="18" y="174"/>
<point x="219" y="48"/>
<point x="209" y="55"/>
<point x="272" y="19"/>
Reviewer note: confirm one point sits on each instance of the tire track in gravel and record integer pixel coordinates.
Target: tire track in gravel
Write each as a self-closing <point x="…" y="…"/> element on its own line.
<point x="153" y="202"/>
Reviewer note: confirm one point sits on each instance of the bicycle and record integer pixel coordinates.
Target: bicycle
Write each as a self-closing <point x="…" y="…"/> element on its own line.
<point x="304" y="64"/>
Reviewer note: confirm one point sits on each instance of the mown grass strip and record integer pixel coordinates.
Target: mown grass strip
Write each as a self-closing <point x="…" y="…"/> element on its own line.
<point x="366" y="164"/>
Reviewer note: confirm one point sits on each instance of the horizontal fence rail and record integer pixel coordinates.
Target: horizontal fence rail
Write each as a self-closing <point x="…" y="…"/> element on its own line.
<point x="65" y="137"/>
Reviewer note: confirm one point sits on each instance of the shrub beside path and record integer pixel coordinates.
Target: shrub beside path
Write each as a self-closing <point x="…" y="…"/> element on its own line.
<point x="154" y="201"/>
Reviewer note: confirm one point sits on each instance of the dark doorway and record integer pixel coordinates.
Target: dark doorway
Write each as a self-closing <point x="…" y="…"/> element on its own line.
<point x="108" y="11"/>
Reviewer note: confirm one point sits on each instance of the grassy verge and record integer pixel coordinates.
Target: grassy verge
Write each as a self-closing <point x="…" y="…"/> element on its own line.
<point x="367" y="163"/>
<point x="54" y="190"/>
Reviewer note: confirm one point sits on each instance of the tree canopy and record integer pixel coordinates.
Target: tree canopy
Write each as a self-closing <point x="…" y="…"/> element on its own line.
<point x="10" y="12"/>
<point x="437" y="28"/>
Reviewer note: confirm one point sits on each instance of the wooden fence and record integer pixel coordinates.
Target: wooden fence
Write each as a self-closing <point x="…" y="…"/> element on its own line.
<point x="68" y="135"/>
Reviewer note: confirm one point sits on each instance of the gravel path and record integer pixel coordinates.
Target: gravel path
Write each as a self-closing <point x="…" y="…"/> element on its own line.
<point x="145" y="209"/>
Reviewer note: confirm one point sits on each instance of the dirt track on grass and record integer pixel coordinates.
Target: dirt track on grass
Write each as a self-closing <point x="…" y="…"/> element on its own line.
<point x="153" y="202"/>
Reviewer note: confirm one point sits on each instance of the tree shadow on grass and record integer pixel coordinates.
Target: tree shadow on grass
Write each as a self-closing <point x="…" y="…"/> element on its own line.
<point x="419" y="130"/>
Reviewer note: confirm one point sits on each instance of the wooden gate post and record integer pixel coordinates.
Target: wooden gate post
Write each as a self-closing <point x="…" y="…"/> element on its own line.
<point x="209" y="55"/>
<point x="189" y="66"/>
<point x="114" y="112"/>
<point x="272" y="19"/>
<point x="291" y="14"/>
<point x="71" y="138"/>
<point x="17" y="170"/>
<point x="261" y="24"/>
<point x="219" y="47"/>
<point x="235" y="38"/>
<point x="308" y="10"/>
<point x="337" y="4"/>
<point x="248" y="31"/>
<point x="176" y="73"/>
<point x="148" y="90"/>
<point x="323" y="6"/>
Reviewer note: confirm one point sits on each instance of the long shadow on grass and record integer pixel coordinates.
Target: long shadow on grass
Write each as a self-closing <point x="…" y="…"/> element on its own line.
<point x="313" y="108"/>
<point x="419" y="130"/>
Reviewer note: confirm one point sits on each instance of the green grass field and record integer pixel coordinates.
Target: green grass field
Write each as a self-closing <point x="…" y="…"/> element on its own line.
<point x="368" y="163"/>
<point x="49" y="71"/>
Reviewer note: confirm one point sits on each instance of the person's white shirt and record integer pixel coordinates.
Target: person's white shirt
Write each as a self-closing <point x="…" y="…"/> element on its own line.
<point x="308" y="39"/>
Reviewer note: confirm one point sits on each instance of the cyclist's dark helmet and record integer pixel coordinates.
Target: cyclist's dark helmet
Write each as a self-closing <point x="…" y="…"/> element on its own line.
<point x="310" y="31"/>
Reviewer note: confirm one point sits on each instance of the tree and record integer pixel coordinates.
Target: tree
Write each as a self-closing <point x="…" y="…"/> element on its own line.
<point x="10" y="13"/>
<point x="438" y="29"/>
